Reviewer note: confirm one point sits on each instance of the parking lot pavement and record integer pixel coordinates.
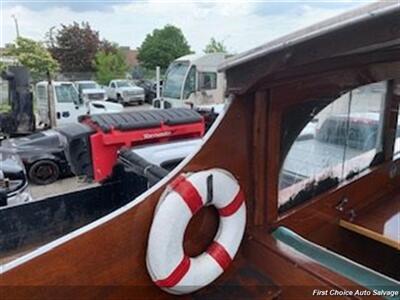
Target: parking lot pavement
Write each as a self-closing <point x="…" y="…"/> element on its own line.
<point x="59" y="187"/>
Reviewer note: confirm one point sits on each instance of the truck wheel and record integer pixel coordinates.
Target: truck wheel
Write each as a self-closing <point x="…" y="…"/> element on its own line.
<point x="44" y="172"/>
<point x="120" y="100"/>
<point x="140" y="102"/>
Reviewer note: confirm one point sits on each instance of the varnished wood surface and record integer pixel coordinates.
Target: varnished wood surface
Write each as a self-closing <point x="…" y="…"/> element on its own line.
<point x="112" y="255"/>
<point x="358" y="248"/>
<point x="379" y="221"/>
<point x="260" y="164"/>
<point x="242" y="281"/>
<point x="297" y="275"/>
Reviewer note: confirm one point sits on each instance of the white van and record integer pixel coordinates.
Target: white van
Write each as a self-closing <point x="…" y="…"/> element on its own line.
<point x="68" y="105"/>
<point x="193" y="80"/>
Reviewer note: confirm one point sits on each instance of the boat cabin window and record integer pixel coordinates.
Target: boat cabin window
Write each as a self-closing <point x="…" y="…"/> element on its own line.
<point x="190" y="83"/>
<point x="207" y="81"/>
<point x="332" y="140"/>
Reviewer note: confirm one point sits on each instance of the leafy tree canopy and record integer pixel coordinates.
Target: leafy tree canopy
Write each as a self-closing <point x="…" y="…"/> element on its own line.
<point x="75" y="47"/>
<point x="108" y="47"/>
<point x="34" y="56"/>
<point x="214" y="46"/>
<point x="163" y="46"/>
<point x="2" y="66"/>
<point x="109" y="66"/>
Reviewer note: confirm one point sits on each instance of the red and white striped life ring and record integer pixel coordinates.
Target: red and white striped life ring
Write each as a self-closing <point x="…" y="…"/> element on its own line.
<point x="169" y="267"/>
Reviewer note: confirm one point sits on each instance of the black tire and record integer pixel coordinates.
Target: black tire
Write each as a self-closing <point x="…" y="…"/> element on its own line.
<point x="120" y="100"/>
<point x="150" y="99"/>
<point x="44" y="172"/>
<point x="140" y="102"/>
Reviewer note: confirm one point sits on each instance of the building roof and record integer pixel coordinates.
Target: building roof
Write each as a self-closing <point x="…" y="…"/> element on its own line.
<point x="130" y="56"/>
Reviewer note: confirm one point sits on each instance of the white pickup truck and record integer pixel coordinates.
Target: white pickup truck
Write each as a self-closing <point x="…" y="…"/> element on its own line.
<point x="89" y="90"/>
<point x="67" y="103"/>
<point x="125" y="92"/>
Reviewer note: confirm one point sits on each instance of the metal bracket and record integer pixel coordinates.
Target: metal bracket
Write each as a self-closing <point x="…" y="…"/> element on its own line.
<point x="210" y="192"/>
<point x="341" y="205"/>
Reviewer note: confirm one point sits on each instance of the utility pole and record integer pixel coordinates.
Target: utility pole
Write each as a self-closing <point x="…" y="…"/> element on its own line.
<point x="50" y="101"/>
<point x="158" y="82"/>
<point x="16" y="25"/>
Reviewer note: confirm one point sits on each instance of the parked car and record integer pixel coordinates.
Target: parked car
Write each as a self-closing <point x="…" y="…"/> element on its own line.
<point x="90" y="148"/>
<point x="125" y="92"/>
<point x="42" y="154"/>
<point x="153" y="162"/>
<point x="150" y="89"/>
<point x="13" y="180"/>
<point x="68" y="105"/>
<point x="90" y="90"/>
<point x="168" y="155"/>
<point x="359" y="131"/>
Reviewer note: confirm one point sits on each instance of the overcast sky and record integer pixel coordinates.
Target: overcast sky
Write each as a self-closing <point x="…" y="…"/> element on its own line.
<point x="242" y="25"/>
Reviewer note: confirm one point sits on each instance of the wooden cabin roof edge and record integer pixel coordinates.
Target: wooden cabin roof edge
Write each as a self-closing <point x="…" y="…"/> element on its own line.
<point x="308" y="33"/>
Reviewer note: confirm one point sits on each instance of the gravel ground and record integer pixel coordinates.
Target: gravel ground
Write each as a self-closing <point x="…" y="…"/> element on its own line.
<point x="59" y="187"/>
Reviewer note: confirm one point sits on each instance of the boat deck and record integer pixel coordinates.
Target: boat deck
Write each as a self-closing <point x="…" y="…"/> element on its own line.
<point x="242" y="281"/>
<point x="379" y="221"/>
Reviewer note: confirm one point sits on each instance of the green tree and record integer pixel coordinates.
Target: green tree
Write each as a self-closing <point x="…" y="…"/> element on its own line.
<point x="34" y="56"/>
<point x="109" y="66"/>
<point x="214" y="46"/>
<point x="2" y="66"/>
<point x="108" y="47"/>
<point x="75" y="47"/>
<point x="163" y="46"/>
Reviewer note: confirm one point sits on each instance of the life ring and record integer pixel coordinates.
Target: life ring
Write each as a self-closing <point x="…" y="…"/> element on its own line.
<point x="169" y="267"/>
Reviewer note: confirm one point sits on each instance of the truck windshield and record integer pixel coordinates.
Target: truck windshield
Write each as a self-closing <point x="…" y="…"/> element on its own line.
<point x="66" y="93"/>
<point x="174" y="79"/>
<point x="123" y="84"/>
<point x="87" y="86"/>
